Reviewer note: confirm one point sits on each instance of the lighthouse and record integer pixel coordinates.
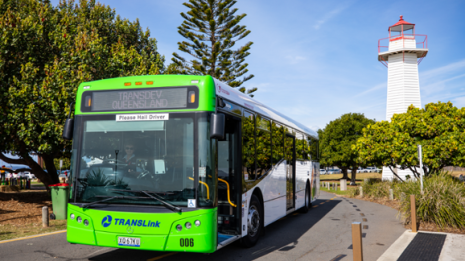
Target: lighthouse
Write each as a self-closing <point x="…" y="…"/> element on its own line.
<point x="401" y="53"/>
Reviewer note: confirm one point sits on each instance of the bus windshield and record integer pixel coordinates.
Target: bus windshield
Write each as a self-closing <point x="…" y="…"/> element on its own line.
<point x="123" y="158"/>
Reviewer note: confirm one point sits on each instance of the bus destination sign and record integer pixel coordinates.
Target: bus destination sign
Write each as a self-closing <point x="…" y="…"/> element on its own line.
<point x="138" y="99"/>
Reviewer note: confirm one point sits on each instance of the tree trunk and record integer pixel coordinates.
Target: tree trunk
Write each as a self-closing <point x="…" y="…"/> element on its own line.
<point x="344" y="174"/>
<point x="353" y="174"/>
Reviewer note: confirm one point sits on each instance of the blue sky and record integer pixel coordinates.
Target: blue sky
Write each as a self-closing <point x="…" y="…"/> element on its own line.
<point x="317" y="60"/>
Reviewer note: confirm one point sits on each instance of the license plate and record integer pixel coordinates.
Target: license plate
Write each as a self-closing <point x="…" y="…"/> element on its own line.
<point x="129" y="241"/>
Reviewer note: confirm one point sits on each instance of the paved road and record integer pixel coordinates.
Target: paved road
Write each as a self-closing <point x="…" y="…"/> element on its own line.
<point x="324" y="233"/>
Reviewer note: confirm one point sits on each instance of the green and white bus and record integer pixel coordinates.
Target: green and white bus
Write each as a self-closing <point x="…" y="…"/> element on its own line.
<point x="182" y="163"/>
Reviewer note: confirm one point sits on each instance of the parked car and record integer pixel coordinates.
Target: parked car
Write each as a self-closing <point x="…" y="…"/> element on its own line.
<point x="29" y="175"/>
<point x="322" y="171"/>
<point x="372" y="170"/>
<point x="333" y="171"/>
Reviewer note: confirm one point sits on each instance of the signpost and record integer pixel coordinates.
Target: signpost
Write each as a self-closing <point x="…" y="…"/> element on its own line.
<point x="61" y="165"/>
<point x="421" y="168"/>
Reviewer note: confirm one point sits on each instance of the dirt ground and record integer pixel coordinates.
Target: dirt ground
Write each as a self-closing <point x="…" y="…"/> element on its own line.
<point x="21" y="214"/>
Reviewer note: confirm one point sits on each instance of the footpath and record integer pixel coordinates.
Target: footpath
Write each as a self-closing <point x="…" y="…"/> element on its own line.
<point x="426" y="246"/>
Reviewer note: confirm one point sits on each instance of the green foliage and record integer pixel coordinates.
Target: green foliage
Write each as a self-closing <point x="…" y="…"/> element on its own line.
<point x="66" y="163"/>
<point x="45" y="53"/>
<point x="212" y="30"/>
<point x="439" y="128"/>
<point x="337" y="139"/>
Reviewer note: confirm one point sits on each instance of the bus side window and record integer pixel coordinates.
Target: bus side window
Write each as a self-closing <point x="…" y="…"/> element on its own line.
<point x="278" y="142"/>
<point x="313" y="143"/>
<point x="248" y="146"/>
<point x="300" y="145"/>
<point x="263" y="146"/>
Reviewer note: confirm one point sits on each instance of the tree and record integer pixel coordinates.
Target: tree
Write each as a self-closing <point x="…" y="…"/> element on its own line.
<point x="337" y="140"/>
<point x="212" y="29"/>
<point x="439" y="128"/>
<point x="45" y="53"/>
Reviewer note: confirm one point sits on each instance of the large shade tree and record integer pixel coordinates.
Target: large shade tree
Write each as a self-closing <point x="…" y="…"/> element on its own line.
<point x="337" y="140"/>
<point x="211" y="28"/>
<point x="439" y="128"/>
<point x="45" y="53"/>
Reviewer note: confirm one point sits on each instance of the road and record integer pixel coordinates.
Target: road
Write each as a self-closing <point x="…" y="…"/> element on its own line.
<point x="324" y="233"/>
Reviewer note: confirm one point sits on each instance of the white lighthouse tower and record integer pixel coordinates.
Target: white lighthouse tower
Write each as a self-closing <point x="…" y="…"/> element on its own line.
<point x="401" y="53"/>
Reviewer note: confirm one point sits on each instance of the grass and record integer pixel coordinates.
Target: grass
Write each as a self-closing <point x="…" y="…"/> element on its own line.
<point x="11" y="231"/>
<point x="358" y="177"/>
<point x="350" y="192"/>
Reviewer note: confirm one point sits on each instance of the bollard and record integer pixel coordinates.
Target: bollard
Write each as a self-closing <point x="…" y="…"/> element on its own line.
<point x="413" y="213"/>
<point x="391" y="194"/>
<point x="361" y="191"/>
<point x="343" y="184"/>
<point x="357" y="241"/>
<point x="45" y="216"/>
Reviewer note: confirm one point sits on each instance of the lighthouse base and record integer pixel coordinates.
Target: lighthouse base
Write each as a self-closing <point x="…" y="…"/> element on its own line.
<point x="402" y="173"/>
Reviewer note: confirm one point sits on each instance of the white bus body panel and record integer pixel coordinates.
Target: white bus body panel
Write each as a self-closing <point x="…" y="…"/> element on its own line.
<point x="273" y="188"/>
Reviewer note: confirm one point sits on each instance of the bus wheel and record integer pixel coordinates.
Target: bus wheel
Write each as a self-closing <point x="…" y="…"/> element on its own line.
<point x="254" y="224"/>
<point x="307" y="204"/>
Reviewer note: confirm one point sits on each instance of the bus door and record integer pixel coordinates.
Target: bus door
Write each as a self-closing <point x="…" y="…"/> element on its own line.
<point x="229" y="178"/>
<point x="289" y="155"/>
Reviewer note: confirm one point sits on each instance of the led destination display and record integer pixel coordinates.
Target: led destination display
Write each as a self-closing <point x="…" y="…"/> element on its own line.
<point x="138" y="99"/>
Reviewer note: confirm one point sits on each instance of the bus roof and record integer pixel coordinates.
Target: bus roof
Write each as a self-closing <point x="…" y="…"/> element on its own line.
<point x="225" y="91"/>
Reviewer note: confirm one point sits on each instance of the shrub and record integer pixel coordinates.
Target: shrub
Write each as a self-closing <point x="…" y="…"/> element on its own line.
<point x="375" y="188"/>
<point x="442" y="203"/>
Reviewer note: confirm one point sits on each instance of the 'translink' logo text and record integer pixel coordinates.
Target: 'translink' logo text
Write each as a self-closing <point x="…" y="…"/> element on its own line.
<point x="107" y="220"/>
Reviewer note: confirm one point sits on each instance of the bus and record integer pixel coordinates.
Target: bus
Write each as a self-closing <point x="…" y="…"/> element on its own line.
<point x="182" y="163"/>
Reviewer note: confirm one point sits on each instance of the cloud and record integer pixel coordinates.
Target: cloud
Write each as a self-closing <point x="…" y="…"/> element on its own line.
<point x="295" y="59"/>
<point x="443" y="70"/>
<point x="328" y="16"/>
<point x="376" y="87"/>
<point x="459" y="102"/>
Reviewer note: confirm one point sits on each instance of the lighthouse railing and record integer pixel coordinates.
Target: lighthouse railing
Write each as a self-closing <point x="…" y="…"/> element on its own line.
<point x="421" y="41"/>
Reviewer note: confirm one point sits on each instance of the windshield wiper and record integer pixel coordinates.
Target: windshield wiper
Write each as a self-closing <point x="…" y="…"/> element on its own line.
<point x="168" y="205"/>
<point x="98" y="201"/>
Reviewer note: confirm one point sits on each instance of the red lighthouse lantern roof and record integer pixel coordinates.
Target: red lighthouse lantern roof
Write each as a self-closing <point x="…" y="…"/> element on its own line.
<point x="401" y="25"/>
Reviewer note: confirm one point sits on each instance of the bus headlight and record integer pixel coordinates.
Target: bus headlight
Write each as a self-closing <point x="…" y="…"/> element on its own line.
<point x="86" y="222"/>
<point x="179" y="227"/>
<point x="188" y="225"/>
<point x="71" y="216"/>
<point x="79" y="219"/>
<point x="197" y="223"/>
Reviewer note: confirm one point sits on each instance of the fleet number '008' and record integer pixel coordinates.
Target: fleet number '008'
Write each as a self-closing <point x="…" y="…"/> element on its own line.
<point x="187" y="242"/>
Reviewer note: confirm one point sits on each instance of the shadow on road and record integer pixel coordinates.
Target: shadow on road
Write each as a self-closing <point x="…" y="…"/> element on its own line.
<point x="283" y="235"/>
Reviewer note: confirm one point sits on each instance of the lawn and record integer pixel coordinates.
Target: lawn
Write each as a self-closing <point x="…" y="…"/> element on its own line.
<point x="358" y="176"/>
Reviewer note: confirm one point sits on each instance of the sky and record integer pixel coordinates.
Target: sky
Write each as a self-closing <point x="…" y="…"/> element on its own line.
<point x="317" y="60"/>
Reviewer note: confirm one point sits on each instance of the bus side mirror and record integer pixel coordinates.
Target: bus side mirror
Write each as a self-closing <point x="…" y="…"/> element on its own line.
<point x="217" y="126"/>
<point x="69" y="125"/>
<point x="68" y="129"/>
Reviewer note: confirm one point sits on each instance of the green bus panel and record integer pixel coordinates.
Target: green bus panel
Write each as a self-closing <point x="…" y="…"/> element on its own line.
<point x="157" y="231"/>
<point x="207" y="93"/>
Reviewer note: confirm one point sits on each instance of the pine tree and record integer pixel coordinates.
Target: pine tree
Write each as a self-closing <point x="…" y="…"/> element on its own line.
<point x="213" y="29"/>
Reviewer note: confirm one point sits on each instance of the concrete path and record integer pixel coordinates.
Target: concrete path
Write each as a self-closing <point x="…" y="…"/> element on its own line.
<point x="324" y="233"/>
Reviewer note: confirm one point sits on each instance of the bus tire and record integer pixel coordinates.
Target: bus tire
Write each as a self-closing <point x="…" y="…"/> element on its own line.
<point x="307" y="204"/>
<point x="254" y="223"/>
